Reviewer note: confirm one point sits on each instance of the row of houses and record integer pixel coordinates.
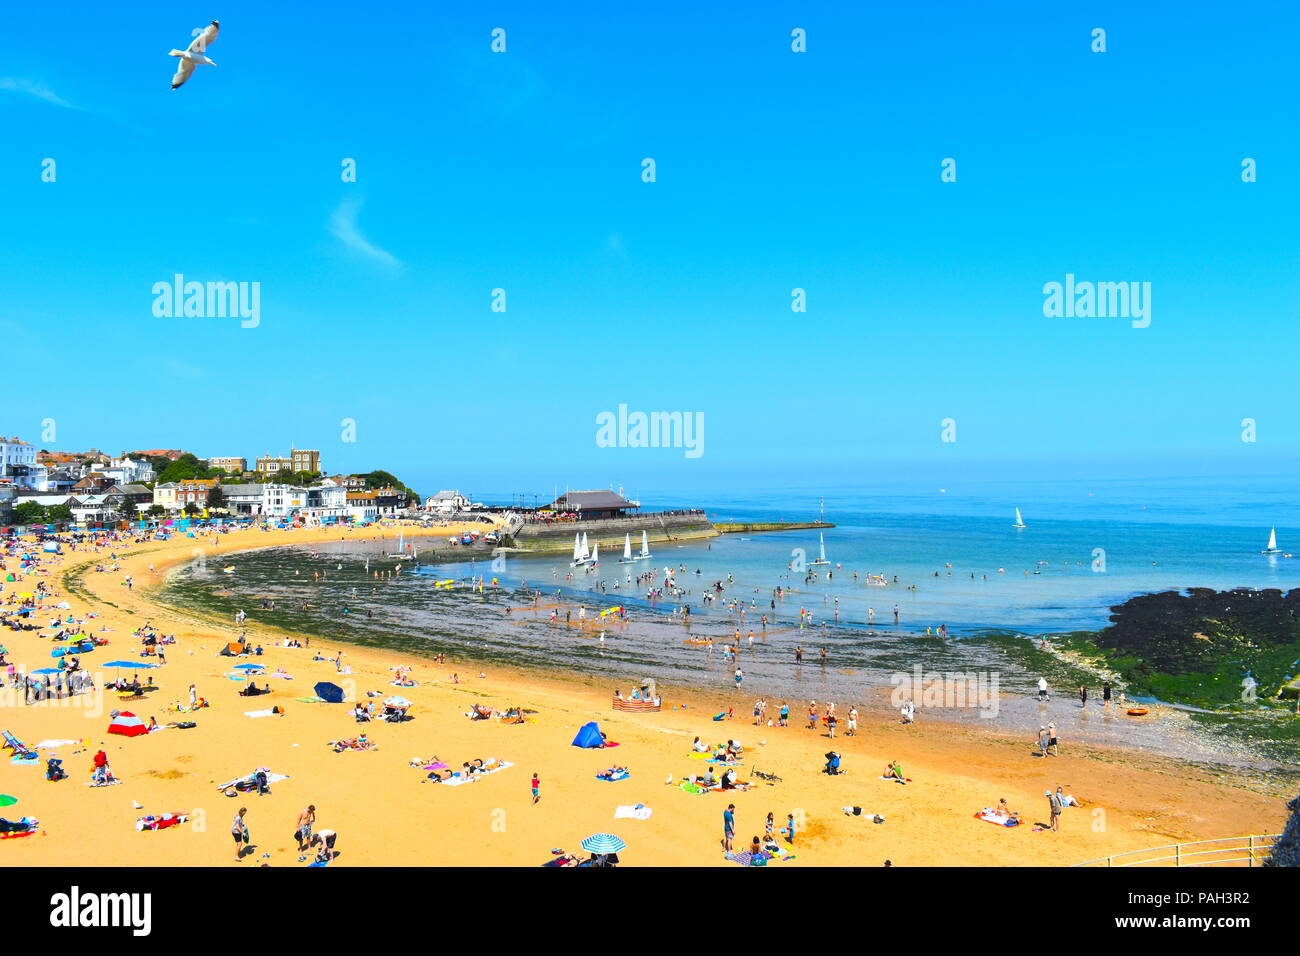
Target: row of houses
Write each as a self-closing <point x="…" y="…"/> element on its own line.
<point x="24" y="469"/>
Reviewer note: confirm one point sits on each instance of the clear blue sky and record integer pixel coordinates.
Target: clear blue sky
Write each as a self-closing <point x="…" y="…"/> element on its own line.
<point x="522" y="170"/>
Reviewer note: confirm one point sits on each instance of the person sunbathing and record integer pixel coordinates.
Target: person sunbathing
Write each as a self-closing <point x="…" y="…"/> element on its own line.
<point x="894" y="771"/>
<point x="613" y="773"/>
<point x="1005" y="810"/>
<point x="699" y="747"/>
<point x="420" y="763"/>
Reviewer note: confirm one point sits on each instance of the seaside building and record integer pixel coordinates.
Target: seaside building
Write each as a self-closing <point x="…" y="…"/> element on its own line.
<point x="446" y="503"/>
<point x="300" y="459"/>
<point x="594" y="505"/>
<point x="128" y="470"/>
<point x="18" y="465"/>
<point x="231" y="466"/>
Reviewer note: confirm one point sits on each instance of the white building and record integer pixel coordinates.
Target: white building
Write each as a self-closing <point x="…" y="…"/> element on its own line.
<point x="18" y="466"/>
<point x="128" y="471"/>
<point x="446" y="503"/>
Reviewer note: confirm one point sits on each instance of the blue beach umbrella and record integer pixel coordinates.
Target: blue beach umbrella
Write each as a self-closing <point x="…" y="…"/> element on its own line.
<point x="603" y="843"/>
<point x="132" y="664"/>
<point x="48" y="670"/>
<point x="249" y="667"/>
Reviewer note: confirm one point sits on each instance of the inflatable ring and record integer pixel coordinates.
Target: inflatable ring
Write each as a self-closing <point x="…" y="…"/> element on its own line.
<point x="1137" y="711"/>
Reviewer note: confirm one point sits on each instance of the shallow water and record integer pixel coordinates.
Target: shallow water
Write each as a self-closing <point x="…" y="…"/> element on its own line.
<point x="409" y="612"/>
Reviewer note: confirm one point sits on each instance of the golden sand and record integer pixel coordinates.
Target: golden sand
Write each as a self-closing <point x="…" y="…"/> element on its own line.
<point x="385" y="815"/>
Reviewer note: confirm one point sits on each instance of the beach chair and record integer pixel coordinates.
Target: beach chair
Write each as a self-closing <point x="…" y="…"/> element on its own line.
<point x="13" y="743"/>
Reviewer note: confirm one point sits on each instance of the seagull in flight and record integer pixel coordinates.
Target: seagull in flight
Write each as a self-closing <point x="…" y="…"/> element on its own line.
<point x="193" y="55"/>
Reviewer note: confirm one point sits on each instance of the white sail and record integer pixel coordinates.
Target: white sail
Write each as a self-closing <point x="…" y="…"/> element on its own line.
<point x="822" y="536"/>
<point x="586" y="551"/>
<point x="645" y="545"/>
<point x="577" y="548"/>
<point x="627" y="547"/>
<point x="595" y="553"/>
<point x="1272" y="542"/>
<point x="1020" y="522"/>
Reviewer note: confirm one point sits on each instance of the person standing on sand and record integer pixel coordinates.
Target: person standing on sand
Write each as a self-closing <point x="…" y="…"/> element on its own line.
<point x="306" y="820"/>
<point x="1105" y="694"/>
<point x="853" y="722"/>
<point x="1054" y="808"/>
<point x="1083" y="696"/>
<point x="239" y="830"/>
<point x="1044" y="741"/>
<point x="537" y="783"/>
<point x="1053" y="749"/>
<point x="728" y="826"/>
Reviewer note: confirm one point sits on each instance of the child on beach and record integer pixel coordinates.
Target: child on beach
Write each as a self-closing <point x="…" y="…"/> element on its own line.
<point x="537" y="795"/>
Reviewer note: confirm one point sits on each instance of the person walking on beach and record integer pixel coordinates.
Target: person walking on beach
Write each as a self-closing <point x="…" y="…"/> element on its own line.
<point x="798" y="654"/>
<point x="306" y="820"/>
<point x="895" y="613"/>
<point x="1053" y="748"/>
<point x="1042" y="688"/>
<point x="853" y="722"/>
<point x="728" y="826"/>
<point x="239" y="830"/>
<point x="1044" y="741"/>
<point x="1054" y="809"/>
<point x="1083" y="696"/>
<point x="537" y="783"/>
<point x="812" y="715"/>
<point x="1105" y="694"/>
<point x="783" y="715"/>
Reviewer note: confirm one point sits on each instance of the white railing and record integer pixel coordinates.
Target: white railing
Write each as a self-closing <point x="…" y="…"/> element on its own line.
<point x="1250" y="850"/>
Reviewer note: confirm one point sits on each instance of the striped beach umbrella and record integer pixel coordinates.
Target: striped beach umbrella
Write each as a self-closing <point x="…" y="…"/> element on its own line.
<point x="603" y="843"/>
<point x="397" y="702"/>
<point x="127" y="724"/>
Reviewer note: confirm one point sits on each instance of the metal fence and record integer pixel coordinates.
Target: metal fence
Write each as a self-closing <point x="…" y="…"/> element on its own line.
<point x="1250" y="850"/>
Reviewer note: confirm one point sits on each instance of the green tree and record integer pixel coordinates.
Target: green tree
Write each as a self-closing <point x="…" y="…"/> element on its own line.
<point x="191" y="508"/>
<point x="126" y="509"/>
<point x="216" y="498"/>
<point x="58" y="513"/>
<point x="156" y="511"/>
<point x="30" y="512"/>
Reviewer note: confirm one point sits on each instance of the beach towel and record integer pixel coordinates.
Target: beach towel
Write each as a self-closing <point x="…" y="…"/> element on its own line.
<point x="637" y="812"/>
<point x="51" y="744"/>
<point x="162" y="822"/>
<point x="692" y="787"/>
<point x="896" y="780"/>
<point x="616" y="777"/>
<point x="457" y="781"/>
<point x="29" y="758"/>
<point x="309" y="700"/>
<point x="269" y="712"/>
<point x="1000" y="819"/>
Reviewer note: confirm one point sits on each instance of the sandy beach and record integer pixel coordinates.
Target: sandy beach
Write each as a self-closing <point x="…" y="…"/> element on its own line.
<point x="385" y="813"/>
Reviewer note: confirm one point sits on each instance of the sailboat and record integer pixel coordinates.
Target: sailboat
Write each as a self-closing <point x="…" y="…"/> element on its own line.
<point x="595" y="553"/>
<point x="645" y="547"/>
<point x="401" y="547"/>
<point x="1272" y="543"/>
<point x="627" y="550"/>
<point x="822" y="558"/>
<point x="581" y="555"/>
<point x="1020" y="522"/>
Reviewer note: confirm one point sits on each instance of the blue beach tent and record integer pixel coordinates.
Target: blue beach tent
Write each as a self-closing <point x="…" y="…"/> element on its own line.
<point x="589" y="736"/>
<point x="330" y="693"/>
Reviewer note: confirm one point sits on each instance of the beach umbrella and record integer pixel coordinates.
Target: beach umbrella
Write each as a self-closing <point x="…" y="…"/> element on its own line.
<point x="397" y="702"/>
<point x="248" y="667"/>
<point x="601" y="843"/>
<point x="127" y="724"/>
<point x="48" y="670"/>
<point x="131" y="664"/>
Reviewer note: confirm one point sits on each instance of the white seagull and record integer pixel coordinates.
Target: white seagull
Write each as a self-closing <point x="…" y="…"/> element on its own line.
<point x="193" y="55"/>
